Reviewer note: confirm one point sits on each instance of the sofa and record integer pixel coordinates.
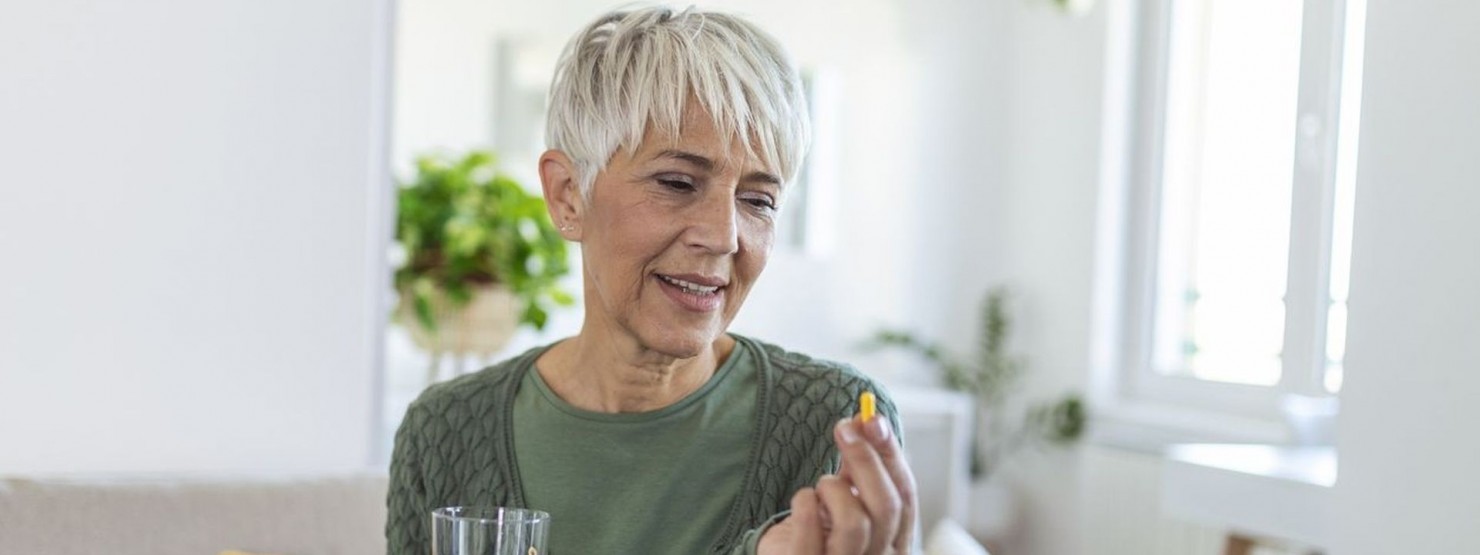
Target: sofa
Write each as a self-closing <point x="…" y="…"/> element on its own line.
<point x="320" y="515"/>
<point x="326" y="515"/>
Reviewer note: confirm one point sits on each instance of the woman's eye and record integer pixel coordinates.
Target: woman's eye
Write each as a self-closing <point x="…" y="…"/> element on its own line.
<point x="676" y="184"/>
<point x="761" y="202"/>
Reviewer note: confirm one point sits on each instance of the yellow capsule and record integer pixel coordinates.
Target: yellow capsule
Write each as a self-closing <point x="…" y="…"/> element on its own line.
<point x="866" y="406"/>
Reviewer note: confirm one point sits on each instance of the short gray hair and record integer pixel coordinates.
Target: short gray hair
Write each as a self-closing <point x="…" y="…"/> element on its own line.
<point x="631" y="69"/>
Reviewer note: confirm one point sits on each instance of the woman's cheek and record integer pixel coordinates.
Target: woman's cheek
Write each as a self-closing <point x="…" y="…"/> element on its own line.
<point x="762" y="238"/>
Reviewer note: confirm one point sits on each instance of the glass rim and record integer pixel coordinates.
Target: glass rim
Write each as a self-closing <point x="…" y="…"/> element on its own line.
<point x="490" y="514"/>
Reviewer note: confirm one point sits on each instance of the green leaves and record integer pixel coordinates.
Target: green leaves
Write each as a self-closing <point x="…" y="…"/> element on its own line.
<point x="464" y="224"/>
<point x="991" y="376"/>
<point x="1065" y="420"/>
<point x="422" y="291"/>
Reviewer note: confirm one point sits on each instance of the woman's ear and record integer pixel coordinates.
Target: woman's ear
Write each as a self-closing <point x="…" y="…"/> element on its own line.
<point x="563" y="197"/>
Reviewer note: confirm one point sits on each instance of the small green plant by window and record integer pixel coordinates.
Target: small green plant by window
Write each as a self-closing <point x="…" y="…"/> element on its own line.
<point x="991" y="377"/>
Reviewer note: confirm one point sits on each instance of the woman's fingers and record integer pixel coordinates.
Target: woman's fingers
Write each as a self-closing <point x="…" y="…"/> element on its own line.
<point x="875" y="487"/>
<point x="807" y="536"/>
<point x="851" y="526"/>
<point x="880" y="436"/>
<point x="875" y="465"/>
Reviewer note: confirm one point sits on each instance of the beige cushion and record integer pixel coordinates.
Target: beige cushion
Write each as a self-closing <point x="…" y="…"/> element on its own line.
<point x="341" y="515"/>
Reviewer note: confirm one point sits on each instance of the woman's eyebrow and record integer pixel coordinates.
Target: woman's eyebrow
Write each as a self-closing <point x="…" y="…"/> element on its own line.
<point x="697" y="160"/>
<point x="763" y="177"/>
<point x="707" y="164"/>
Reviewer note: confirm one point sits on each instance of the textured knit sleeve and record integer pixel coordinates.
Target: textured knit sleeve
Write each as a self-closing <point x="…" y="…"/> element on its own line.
<point x="886" y="410"/>
<point x="406" y="500"/>
<point x="752" y="538"/>
<point x="815" y="406"/>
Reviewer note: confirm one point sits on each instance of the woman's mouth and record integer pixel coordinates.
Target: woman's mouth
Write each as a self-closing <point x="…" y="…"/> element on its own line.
<point x="693" y="293"/>
<point x="689" y="286"/>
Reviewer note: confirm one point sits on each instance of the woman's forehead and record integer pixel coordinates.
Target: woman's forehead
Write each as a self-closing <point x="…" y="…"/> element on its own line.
<point x="699" y="141"/>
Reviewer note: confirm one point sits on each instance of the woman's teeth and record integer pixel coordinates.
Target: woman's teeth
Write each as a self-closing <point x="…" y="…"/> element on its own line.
<point x="688" y="287"/>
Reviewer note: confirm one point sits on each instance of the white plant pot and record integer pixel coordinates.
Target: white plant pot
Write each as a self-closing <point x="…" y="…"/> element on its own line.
<point x="481" y="328"/>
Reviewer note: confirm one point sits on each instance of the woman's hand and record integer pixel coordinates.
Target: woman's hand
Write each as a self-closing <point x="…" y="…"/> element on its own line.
<point x="867" y="508"/>
<point x="874" y="468"/>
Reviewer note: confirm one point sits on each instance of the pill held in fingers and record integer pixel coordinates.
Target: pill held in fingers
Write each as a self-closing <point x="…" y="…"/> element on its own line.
<point x="866" y="406"/>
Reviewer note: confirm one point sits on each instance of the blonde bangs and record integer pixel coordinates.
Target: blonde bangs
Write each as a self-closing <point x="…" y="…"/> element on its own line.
<point x="631" y="70"/>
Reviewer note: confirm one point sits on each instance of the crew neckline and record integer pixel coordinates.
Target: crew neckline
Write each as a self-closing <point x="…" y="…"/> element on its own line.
<point x="722" y="373"/>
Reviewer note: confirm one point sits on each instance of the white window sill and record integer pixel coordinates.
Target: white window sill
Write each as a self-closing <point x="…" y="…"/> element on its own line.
<point x="1228" y="472"/>
<point x="1151" y="428"/>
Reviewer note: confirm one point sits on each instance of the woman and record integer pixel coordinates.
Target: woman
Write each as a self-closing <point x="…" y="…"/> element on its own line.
<point x="672" y="139"/>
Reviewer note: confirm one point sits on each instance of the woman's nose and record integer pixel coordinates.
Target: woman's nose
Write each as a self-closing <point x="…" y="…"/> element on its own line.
<point x="714" y="227"/>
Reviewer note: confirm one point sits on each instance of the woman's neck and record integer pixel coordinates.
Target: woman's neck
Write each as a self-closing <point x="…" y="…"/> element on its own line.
<point x="622" y="376"/>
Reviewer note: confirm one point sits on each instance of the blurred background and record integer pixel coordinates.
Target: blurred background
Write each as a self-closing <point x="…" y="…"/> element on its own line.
<point x="1232" y="244"/>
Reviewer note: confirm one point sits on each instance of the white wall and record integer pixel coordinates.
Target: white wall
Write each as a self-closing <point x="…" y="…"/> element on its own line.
<point x="1050" y="209"/>
<point x="1409" y="453"/>
<point x="1028" y="129"/>
<point x="189" y="265"/>
<point x="1121" y="492"/>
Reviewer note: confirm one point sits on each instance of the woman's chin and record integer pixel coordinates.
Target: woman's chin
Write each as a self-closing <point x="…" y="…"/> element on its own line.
<point x="687" y="344"/>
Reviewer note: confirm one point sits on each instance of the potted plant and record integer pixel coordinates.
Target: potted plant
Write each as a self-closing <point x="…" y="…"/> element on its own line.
<point x="480" y="257"/>
<point x="991" y="378"/>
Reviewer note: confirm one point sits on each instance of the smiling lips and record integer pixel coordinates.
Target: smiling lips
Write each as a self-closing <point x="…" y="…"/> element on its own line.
<point x="694" y="292"/>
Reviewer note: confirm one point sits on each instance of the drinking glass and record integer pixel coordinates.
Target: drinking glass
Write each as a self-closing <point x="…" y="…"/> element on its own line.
<point x="489" y="531"/>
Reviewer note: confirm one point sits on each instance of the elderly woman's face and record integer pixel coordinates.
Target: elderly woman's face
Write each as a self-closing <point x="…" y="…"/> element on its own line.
<point x="675" y="235"/>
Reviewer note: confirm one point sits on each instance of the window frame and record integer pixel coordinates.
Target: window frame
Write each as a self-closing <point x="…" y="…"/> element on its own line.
<point x="1135" y="125"/>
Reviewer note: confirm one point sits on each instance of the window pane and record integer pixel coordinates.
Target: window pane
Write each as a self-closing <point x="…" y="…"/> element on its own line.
<point x="1346" y="190"/>
<point x="1335" y="346"/>
<point x="1233" y="79"/>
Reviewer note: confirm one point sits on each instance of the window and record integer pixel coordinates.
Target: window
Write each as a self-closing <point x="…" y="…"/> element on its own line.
<point x="1238" y="201"/>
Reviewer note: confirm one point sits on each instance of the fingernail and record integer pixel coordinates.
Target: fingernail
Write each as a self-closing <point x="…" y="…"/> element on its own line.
<point x="878" y="429"/>
<point x="845" y="429"/>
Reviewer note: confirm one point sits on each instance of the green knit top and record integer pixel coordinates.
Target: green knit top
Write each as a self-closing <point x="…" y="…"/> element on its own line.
<point x="456" y="446"/>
